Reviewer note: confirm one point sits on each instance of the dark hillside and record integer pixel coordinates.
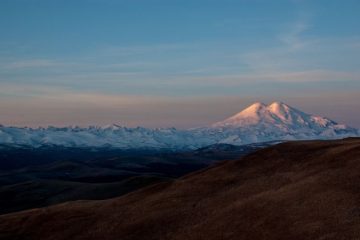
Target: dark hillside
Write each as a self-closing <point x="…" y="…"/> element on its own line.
<point x="296" y="190"/>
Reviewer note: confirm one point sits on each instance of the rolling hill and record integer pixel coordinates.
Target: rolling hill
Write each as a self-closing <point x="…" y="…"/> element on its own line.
<point x="294" y="190"/>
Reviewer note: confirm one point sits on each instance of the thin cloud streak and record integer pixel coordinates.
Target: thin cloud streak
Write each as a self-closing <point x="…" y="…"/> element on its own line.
<point x="311" y="76"/>
<point x="32" y="63"/>
<point x="292" y="38"/>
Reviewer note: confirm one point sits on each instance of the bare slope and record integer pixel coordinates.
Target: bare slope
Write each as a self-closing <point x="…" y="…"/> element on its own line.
<point x="297" y="190"/>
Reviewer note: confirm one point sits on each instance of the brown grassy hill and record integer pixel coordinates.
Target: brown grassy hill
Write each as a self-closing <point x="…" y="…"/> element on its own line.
<point x="296" y="190"/>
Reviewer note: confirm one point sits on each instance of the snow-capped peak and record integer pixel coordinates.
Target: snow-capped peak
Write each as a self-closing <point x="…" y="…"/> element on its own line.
<point x="248" y="116"/>
<point x="286" y="113"/>
<point x="111" y="127"/>
<point x="278" y="108"/>
<point x="274" y="114"/>
<point x="254" y="110"/>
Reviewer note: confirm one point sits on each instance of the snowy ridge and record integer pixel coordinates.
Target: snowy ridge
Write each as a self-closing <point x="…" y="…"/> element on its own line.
<point x="257" y="123"/>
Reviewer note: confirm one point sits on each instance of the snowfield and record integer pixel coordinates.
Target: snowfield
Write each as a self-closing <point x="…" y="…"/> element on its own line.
<point x="257" y="123"/>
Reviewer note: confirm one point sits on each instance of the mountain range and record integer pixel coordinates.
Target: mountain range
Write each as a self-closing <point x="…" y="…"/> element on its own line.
<point x="256" y="123"/>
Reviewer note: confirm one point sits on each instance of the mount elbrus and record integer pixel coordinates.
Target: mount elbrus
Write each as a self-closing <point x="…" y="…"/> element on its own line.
<point x="257" y="123"/>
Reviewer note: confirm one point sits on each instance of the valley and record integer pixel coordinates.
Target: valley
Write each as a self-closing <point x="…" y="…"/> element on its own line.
<point x="32" y="178"/>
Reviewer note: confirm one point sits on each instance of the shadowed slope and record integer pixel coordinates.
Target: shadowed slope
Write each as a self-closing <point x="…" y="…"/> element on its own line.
<point x="296" y="190"/>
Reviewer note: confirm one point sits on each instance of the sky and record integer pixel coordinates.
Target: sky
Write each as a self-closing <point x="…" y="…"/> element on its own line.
<point x="182" y="63"/>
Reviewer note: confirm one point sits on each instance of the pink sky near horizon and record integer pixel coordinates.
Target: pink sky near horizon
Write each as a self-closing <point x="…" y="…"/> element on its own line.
<point x="64" y="109"/>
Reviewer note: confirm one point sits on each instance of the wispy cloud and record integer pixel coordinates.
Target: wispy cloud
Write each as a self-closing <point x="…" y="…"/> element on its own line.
<point x="31" y="63"/>
<point x="114" y="50"/>
<point x="195" y="69"/>
<point x="61" y="94"/>
<point x="292" y="37"/>
<point x="294" y="77"/>
<point x="284" y="56"/>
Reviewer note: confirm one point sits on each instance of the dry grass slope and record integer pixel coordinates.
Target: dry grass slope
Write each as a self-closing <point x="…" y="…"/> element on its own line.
<point x="296" y="190"/>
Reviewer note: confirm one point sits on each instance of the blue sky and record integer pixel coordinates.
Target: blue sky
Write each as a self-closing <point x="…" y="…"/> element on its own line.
<point x="175" y="63"/>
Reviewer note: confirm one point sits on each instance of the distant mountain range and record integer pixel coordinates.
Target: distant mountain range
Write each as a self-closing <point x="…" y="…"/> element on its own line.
<point x="257" y="123"/>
